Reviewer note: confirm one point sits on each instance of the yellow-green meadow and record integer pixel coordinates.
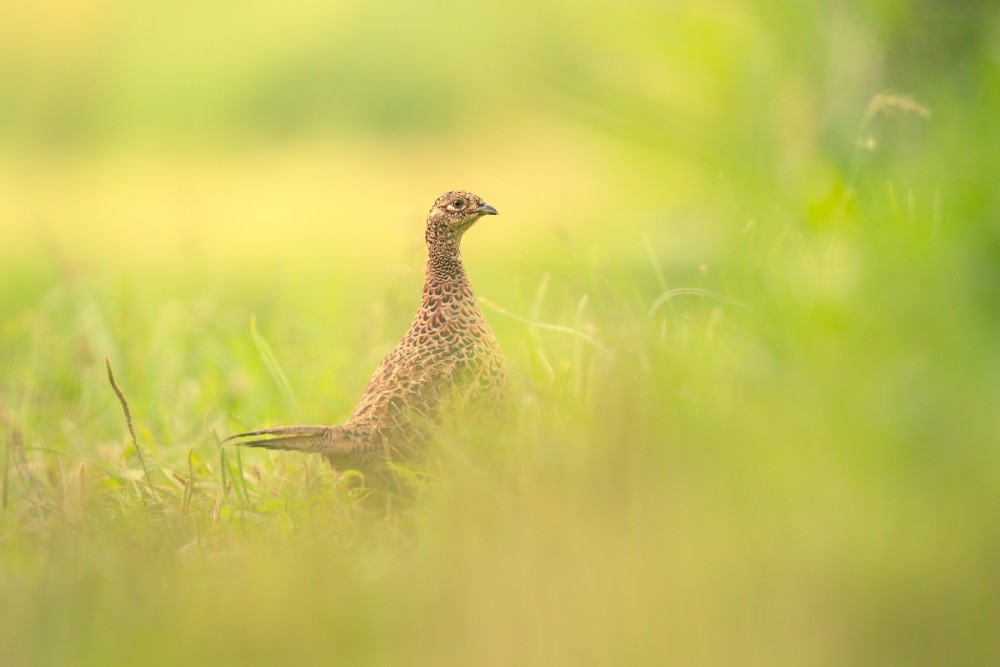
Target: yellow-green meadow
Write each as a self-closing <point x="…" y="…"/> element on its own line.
<point x="746" y="277"/>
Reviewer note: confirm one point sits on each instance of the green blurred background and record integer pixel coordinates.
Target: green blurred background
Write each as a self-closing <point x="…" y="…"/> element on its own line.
<point x="746" y="276"/>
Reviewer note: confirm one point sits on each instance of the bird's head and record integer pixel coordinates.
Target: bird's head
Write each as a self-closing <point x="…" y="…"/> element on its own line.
<point x="453" y="213"/>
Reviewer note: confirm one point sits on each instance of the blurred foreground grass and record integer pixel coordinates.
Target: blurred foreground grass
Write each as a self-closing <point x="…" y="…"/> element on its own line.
<point x="766" y="433"/>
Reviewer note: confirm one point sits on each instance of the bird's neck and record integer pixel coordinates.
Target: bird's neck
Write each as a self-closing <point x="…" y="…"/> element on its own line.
<point x="444" y="261"/>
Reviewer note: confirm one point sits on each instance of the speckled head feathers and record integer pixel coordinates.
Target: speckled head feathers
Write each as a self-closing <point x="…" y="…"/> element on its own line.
<point x="457" y="210"/>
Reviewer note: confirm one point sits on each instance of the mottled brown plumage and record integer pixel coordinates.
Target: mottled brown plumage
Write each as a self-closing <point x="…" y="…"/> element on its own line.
<point x="449" y="356"/>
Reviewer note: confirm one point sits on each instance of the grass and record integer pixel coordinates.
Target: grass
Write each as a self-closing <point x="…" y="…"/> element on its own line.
<point x="678" y="469"/>
<point x="744" y="276"/>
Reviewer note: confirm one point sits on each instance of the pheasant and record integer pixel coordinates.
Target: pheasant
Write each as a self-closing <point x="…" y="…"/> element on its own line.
<point x="448" y="356"/>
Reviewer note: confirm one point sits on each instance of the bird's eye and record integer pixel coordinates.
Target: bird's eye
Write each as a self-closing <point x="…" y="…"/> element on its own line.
<point x="458" y="204"/>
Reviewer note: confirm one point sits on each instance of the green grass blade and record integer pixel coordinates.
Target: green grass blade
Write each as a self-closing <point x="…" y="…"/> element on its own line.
<point x="273" y="366"/>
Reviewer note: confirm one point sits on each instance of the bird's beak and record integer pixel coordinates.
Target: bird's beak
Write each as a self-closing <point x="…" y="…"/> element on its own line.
<point x="486" y="209"/>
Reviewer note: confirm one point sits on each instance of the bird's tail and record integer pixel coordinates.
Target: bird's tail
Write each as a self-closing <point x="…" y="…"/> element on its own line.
<point x="318" y="439"/>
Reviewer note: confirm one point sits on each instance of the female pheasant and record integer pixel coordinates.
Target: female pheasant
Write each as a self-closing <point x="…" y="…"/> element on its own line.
<point x="448" y="355"/>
